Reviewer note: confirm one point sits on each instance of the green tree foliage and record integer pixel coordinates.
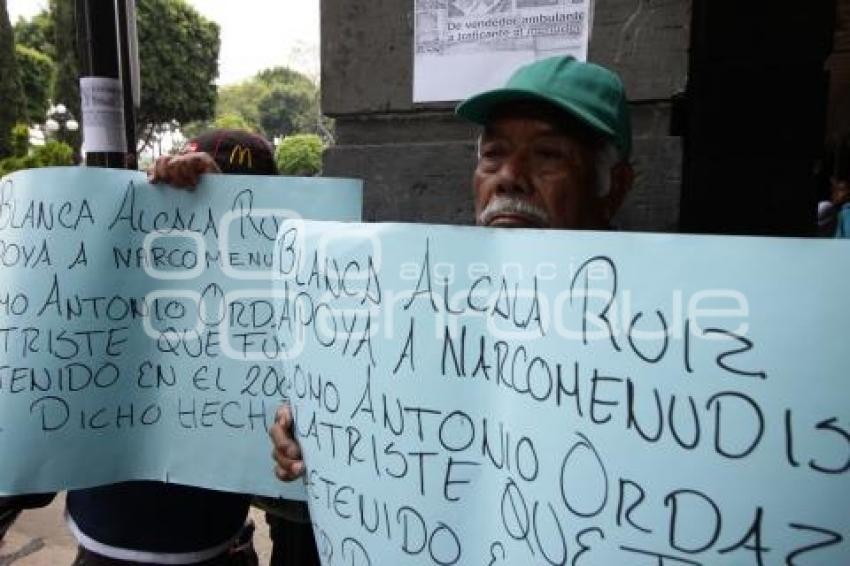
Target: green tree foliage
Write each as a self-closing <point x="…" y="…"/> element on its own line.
<point x="178" y="52"/>
<point x="291" y="105"/>
<point x="242" y="100"/>
<point x="66" y="82"/>
<point x="285" y="76"/>
<point x="36" y="33"/>
<point x="289" y="109"/>
<point x="36" y="76"/>
<point x="12" y="101"/>
<point x="300" y="155"/>
<point x="35" y="53"/>
<point x="233" y="122"/>
<point x="228" y="121"/>
<point x="52" y="154"/>
<point x="276" y="102"/>
<point x="178" y="49"/>
<point x="20" y="140"/>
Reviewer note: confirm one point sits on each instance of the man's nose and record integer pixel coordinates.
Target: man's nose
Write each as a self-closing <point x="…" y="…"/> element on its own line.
<point x="514" y="175"/>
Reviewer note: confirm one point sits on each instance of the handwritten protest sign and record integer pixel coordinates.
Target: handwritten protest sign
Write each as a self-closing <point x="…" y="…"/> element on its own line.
<point x="475" y="396"/>
<point x="137" y="335"/>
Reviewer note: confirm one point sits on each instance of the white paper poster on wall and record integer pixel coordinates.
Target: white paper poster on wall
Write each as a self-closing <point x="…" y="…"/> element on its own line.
<point x="467" y="46"/>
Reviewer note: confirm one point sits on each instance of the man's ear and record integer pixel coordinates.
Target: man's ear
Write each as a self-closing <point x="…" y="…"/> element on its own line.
<point x="622" y="179"/>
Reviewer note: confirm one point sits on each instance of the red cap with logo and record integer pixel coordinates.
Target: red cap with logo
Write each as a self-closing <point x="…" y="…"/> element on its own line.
<point x="237" y="152"/>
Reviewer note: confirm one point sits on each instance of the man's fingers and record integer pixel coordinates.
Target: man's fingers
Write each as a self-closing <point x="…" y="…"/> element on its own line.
<point x="280" y="458"/>
<point x="278" y="434"/>
<point x="183" y="171"/>
<point x="286" y="468"/>
<point x="284" y="445"/>
<point x="296" y="469"/>
<point x="289" y="471"/>
<point x="283" y="417"/>
<point x="284" y="461"/>
<point x="281" y="474"/>
<point x="292" y="449"/>
<point x="287" y="452"/>
<point x="182" y="176"/>
<point x="159" y="171"/>
<point x="205" y="164"/>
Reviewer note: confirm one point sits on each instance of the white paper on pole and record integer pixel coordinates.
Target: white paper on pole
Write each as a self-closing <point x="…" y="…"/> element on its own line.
<point x="468" y="46"/>
<point x="102" y="102"/>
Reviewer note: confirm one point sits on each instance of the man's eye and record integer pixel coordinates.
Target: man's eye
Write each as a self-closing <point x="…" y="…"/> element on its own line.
<point x="493" y="151"/>
<point x="550" y="152"/>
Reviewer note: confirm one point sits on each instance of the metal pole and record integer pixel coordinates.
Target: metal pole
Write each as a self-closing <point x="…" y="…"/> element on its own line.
<point x="127" y="25"/>
<point x="101" y="87"/>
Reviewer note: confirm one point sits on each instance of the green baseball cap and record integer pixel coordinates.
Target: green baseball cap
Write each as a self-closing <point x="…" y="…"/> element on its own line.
<point x="592" y="94"/>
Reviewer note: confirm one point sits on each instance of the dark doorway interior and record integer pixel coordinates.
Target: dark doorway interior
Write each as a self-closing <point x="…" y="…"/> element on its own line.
<point x="838" y="64"/>
<point x="757" y="104"/>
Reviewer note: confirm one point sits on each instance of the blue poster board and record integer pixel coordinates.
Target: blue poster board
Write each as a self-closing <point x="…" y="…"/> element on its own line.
<point x="136" y="334"/>
<point x="483" y="396"/>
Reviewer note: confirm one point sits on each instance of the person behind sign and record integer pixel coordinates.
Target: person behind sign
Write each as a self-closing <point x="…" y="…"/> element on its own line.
<point x="158" y="523"/>
<point x="840" y="187"/>
<point x="553" y="153"/>
<point x="239" y="152"/>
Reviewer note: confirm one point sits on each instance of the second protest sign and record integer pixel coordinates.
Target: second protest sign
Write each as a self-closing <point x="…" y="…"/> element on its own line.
<point x="477" y="396"/>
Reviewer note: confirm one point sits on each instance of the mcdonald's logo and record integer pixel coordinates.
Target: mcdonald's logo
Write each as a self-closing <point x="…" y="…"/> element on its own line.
<point x="242" y="154"/>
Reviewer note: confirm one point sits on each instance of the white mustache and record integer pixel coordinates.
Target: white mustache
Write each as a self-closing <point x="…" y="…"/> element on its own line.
<point x="500" y="205"/>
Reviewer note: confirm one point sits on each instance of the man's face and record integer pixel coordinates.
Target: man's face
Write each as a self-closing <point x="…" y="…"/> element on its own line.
<point x="532" y="174"/>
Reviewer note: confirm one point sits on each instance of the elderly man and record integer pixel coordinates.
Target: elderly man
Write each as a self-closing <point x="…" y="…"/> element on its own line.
<point x="553" y="153"/>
